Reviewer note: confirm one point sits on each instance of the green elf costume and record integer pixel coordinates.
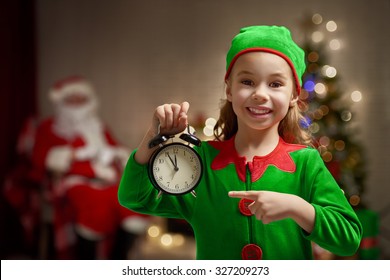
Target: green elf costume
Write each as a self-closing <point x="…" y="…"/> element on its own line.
<point x="224" y="227"/>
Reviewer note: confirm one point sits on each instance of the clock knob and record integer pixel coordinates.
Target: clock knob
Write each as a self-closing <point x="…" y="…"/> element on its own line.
<point x="190" y="138"/>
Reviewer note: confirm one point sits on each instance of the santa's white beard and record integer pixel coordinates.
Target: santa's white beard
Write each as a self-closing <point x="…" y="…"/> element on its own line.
<point x="73" y="121"/>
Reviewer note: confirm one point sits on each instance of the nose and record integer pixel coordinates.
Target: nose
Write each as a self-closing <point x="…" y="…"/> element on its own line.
<point x="260" y="93"/>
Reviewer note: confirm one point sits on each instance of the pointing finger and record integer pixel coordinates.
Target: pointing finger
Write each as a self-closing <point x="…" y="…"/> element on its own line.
<point x="244" y="194"/>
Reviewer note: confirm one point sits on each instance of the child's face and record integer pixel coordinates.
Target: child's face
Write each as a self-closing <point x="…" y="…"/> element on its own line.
<point x="261" y="89"/>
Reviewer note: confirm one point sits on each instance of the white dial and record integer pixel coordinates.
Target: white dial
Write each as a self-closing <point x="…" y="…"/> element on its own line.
<point x="175" y="169"/>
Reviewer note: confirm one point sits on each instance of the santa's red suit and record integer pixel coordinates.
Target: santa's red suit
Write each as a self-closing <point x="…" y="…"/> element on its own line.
<point x="84" y="162"/>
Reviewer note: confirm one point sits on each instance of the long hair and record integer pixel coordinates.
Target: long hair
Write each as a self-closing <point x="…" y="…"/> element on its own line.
<point x="290" y="128"/>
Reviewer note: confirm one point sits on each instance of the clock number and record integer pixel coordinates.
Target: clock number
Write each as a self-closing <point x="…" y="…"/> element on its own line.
<point x="177" y="186"/>
<point x="160" y="161"/>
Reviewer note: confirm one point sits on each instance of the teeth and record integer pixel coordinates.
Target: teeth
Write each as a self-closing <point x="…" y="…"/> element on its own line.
<point x="259" y="111"/>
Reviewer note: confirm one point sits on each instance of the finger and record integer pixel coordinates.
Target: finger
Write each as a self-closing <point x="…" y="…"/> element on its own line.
<point x="168" y="112"/>
<point x="159" y="117"/>
<point x="244" y="194"/>
<point x="176" y="109"/>
<point x="183" y="114"/>
<point x="184" y="107"/>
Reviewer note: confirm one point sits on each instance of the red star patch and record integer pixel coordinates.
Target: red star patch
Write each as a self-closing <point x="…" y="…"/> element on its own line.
<point x="279" y="157"/>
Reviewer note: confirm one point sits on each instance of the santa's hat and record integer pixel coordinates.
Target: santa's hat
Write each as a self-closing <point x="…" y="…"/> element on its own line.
<point x="69" y="86"/>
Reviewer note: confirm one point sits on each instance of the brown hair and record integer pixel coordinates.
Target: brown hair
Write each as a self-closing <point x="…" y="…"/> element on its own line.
<point x="289" y="128"/>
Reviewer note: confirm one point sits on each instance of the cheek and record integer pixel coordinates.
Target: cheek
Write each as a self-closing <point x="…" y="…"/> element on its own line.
<point x="283" y="104"/>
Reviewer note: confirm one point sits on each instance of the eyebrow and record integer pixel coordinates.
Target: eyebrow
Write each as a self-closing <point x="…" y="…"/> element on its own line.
<point x="275" y="74"/>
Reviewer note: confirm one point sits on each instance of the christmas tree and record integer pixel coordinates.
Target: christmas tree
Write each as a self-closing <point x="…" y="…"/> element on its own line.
<point x="330" y="120"/>
<point x="328" y="112"/>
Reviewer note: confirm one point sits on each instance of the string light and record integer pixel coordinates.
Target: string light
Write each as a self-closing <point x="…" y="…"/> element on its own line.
<point x="331" y="26"/>
<point x="317" y="36"/>
<point x="339" y="145"/>
<point x="334" y="44"/>
<point x="354" y="200"/>
<point x="317" y="19"/>
<point x="320" y="89"/>
<point x="327" y="156"/>
<point x="166" y="239"/>
<point x="356" y="96"/>
<point x="346" y="116"/>
<point x="178" y="240"/>
<point x="324" y="141"/>
<point x="329" y="71"/>
<point x="309" y="86"/>
<point x="314" y="127"/>
<point x="208" y="130"/>
<point x="313" y="56"/>
<point x="154" y="231"/>
<point x="324" y="109"/>
<point x="304" y="95"/>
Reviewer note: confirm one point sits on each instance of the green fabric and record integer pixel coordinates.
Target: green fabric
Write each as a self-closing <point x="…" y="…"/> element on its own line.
<point x="371" y="225"/>
<point x="221" y="231"/>
<point x="275" y="38"/>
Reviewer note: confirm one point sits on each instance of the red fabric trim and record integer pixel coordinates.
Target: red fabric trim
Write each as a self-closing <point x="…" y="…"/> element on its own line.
<point x="297" y="83"/>
<point x="369" y="242"/>
<point x="279" y="157"/>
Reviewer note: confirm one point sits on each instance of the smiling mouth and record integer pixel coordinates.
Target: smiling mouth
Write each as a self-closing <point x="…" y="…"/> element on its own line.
<point x="257" y="111"/>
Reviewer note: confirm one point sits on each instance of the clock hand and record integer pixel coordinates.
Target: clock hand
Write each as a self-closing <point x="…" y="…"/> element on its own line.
<point x="175" y="166"/>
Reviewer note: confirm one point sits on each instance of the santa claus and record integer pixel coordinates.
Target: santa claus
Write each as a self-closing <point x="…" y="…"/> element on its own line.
<point x="76" y="153"/>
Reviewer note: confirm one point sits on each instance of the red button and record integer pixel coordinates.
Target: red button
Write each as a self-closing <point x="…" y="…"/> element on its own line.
<point x="243" y="205"/>
<point x="251" y="252"/>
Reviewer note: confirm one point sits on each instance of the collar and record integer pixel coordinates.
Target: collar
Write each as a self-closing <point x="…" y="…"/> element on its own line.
<point x="280" y="158"/>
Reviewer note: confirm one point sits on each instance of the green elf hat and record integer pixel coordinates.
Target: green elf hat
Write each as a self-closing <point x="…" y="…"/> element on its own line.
<point x="272" y="39"/>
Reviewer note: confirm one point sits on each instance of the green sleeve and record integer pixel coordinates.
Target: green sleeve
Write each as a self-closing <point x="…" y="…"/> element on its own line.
<point x="138" y="194"/>
<point x="337" y="227"/>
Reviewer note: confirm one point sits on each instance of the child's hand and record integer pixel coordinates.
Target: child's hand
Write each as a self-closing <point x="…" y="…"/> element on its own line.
<point x="267" y="206"/>
<point x="270" y="206"/>
<point x="171" y="117"/>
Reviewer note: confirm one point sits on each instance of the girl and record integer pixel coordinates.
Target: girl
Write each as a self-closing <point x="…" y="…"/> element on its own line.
<point x="264" y="193"/>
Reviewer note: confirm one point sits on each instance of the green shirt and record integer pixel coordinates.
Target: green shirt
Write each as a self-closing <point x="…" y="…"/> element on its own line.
<point x="221" y="230"/>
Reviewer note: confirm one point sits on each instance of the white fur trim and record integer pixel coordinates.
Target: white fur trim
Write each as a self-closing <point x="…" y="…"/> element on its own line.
<point x="123" y="155"/>
<point x="88" y="233"/>
<point x="107" y="156"/>
<point x="59" y="159"/>
<point x="85" y="153"/>
<point x="106" y="173"/>
<point x="82" y="87"/>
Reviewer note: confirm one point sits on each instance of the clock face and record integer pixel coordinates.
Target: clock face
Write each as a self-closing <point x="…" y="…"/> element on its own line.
<point x="175" y="169"/>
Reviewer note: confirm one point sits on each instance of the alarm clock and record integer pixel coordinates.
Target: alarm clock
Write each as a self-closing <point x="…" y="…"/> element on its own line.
<point x="175" y="168"/>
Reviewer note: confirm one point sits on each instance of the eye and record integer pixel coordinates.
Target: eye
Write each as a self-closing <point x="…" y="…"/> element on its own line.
<point x="247" y="82"/>
<point x="275" y="84"/>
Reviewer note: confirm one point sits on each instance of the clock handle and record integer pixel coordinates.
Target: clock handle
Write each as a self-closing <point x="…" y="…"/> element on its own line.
<point x="190" y="138"/>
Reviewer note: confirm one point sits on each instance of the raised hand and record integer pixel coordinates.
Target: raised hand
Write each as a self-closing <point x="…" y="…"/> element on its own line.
<point x="172" y="118"/>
